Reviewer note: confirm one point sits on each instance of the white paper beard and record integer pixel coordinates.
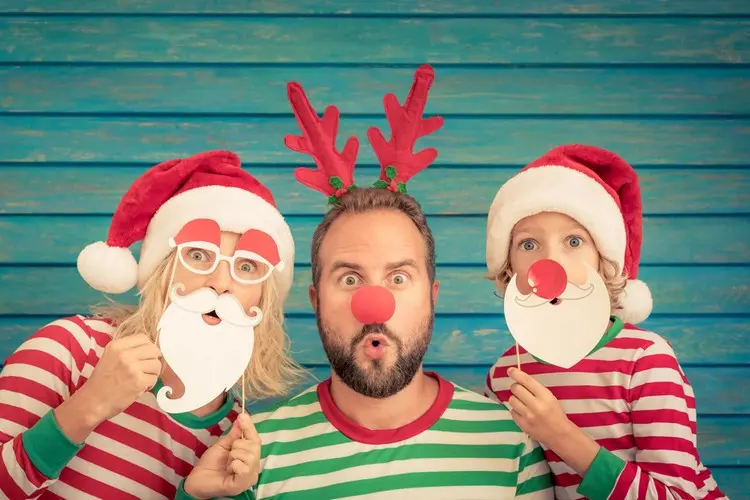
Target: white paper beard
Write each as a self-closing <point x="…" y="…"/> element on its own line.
<point x="208" y="359"/>
<point x="562" y="334"/>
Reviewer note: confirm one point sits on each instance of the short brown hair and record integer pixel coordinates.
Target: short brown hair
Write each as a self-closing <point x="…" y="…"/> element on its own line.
<point x="362" y="200"/>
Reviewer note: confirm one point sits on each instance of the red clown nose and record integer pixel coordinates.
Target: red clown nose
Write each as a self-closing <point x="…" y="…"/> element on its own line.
<point x="547" y="279"/>
<point x="373" y="305"/>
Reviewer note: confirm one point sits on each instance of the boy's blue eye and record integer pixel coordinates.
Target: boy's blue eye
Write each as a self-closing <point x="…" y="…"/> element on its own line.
<point x="575" y="241"/>
<point x="528" y="245"/>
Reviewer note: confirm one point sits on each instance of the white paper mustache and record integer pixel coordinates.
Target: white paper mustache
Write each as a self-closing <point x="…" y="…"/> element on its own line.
<point x="561" y="334"/>
<point x="572" y="292"/>
<point x="205" y="300"/>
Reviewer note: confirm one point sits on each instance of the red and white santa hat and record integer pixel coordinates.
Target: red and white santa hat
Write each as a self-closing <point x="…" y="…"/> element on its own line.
<point x="210" y="185"/>
<point x="595" y="187"/>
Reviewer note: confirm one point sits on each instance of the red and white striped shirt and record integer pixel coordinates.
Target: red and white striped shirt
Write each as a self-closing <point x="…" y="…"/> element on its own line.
<point x="142" y="453"/>
<point x="632" y="397"/>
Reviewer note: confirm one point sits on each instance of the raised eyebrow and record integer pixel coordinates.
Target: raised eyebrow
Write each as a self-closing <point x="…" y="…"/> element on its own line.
<point x="577" y="228"/>
<point x="402" y="263"/>
<point x="340" y="264"/>
<point x="522" y="234"/>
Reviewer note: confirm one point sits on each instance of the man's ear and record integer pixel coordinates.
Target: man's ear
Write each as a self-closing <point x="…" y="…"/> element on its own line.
<point x="313" y="296"/>
<point x="435" y="291"/>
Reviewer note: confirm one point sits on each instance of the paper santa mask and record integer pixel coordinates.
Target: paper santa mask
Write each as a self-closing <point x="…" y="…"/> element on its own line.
<point x="559" y="322"/>
<point x="207" y="339"/>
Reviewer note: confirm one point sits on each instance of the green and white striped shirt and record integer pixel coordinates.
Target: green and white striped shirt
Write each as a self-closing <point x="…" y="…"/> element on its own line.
<point x="465" y="447"/>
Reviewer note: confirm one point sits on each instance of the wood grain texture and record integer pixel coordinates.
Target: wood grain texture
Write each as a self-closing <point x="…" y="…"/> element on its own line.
<point x="359" y="7"/>
<point x="372" y="40"/>
<point x="40" y="189"/>
<point x="464" y="90"/>
<point x="480" y="339"/>
<point x="676" y="290"/>
<point x="481" y="141"/>
<point x="458" y="239"/>
<point x="663" y="83"/>
<point x="733" y="480"/>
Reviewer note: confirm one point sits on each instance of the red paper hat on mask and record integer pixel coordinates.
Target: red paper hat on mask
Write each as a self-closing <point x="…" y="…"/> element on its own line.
<point x="595" y="187"/>
<point x="210" y="185"/>
<point x="334" y="175"/>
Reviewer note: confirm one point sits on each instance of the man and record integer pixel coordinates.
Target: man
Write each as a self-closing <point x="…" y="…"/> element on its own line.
<point x="90" y="407"/>
<point x="381" y="427"/>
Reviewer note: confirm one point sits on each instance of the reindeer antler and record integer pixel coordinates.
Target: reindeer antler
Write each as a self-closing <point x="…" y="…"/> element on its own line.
<point x="398" y="163"/>
<point x="335" y="173"/>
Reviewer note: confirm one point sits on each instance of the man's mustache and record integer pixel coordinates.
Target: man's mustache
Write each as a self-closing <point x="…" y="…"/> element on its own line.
<point x="204" y="300"/>
<point x="379" y="329"/>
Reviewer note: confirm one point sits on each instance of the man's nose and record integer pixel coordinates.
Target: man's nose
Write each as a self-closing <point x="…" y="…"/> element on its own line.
<point x="373" y="305"/>
<point x="547" y="278"/>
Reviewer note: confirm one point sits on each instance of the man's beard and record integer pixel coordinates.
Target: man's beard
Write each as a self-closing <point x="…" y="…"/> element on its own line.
<point x="377" y="380"/>
<point x="208" y="359"/>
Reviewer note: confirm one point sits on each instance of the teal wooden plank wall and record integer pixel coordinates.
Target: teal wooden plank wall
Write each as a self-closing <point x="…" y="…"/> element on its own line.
<point x="93" y="92"/>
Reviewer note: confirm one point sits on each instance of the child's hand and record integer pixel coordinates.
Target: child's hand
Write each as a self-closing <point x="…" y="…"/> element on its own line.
<point x="536" y="410"/>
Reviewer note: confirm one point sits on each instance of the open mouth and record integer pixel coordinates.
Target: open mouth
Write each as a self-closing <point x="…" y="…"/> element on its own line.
<point x="211" y="318"/>
<point x="376" y="340"/>
<point x="374" y="346"/>
<point x="556" y="301"/>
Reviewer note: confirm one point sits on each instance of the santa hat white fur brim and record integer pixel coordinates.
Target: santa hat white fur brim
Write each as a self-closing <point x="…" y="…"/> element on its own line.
<point x="568" y="191"/>
<point x="114" y="270"/>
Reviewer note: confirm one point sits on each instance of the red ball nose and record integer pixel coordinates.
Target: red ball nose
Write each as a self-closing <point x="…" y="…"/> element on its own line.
<point x="373" y="305"/>
<point x="547" y="279"/>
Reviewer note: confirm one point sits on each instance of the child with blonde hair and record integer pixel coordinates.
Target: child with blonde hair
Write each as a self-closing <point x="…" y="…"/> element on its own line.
<point x="620" y="421"/>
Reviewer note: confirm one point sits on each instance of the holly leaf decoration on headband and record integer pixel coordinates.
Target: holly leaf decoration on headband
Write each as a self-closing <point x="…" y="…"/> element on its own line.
<point x="398" y="162"/>
<point x="390" y="183"/>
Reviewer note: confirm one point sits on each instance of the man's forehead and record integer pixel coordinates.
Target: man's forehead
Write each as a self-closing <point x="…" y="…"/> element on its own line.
<point x="382" y="237"/>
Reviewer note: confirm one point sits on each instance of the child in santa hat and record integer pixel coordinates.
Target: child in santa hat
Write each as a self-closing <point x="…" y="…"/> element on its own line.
<point x="620" y="421"/>
<point x="80" y="410"/>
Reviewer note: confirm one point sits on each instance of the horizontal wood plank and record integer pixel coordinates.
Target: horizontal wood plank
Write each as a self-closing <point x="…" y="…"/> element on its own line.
<point x="459" y="240"/>
<point x="364" y="7"/>
<point x="35" y="189"/>
<point x="373" y="40"/>
<point x="464" y="90"/>
<point x="732" y="480"/>
<point x="480" y="339"/>
<point x="676" y="290"/>
<point x="479" y="141"/>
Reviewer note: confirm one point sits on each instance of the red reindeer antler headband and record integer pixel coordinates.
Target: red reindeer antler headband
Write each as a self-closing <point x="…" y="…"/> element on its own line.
<point x="334" y="175"/>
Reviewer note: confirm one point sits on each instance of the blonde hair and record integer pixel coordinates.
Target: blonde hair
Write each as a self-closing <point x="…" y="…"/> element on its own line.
<point x="271" y="373"/>
<point x="614" y="280"/>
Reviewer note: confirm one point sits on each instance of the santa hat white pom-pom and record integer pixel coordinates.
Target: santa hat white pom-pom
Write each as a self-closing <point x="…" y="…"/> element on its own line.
<point x="108" y="269"/>
<point x="636" y="302"/>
